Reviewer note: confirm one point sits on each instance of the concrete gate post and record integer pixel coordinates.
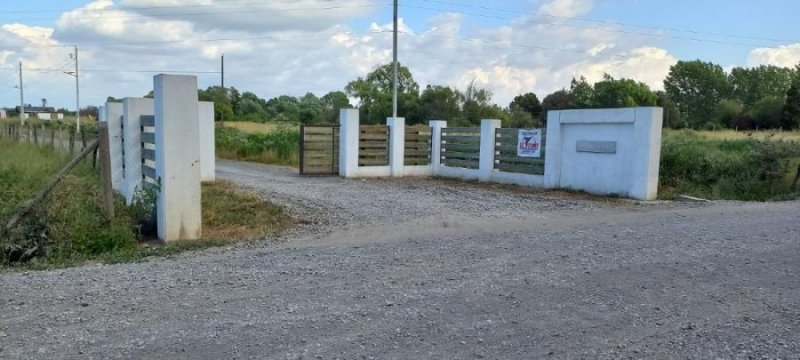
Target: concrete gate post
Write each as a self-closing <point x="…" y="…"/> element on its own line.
<point x="397" y="145"/>
<point x="113" y="116"/>
<point x="133" y="109"/>
<point x="436" y="144"/>
<point x="177" y="157"/>
<point x="208" y="162"/>
<point x="348" y="142"/>
<point x="488" y="141"/>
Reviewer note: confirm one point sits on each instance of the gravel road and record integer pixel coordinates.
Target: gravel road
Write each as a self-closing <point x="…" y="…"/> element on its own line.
<point x="430" y="269"/>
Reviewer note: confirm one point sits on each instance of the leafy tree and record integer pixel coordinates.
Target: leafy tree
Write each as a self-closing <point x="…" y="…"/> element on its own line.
<point x="558" y="100"/>
<point x="310" y="109"/>
<point x="767" y="113"/>
<point x="791" y="108"/>
<point x="753" y="84"/>
<point x="697" y="87"/>
<point x="519" y="117"/>
<point x="332" y="102"/>
<point x="672" y="115"/>
<point x="581" y="93"/>
<point x="284" y="108"/>
<point x="529" y="103"/>
<point x="612" y="93"/>
<point x="476" y="104"/>
<point x="251" y="108"/>
<point x="440" y="102"/>
<point x="374" y="93"/>
<point x="728" y="112"/>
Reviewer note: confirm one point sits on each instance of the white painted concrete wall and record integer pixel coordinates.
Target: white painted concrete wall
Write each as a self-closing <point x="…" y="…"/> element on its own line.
<point x="132" y="110"/>
<point x="43" y="116"/>
<point x="3" y="114"/>
<point x="113" y="116"/>
<point x="178" y="157"/>
<point x="632" y="171"/>
<point x="208" y="154"/>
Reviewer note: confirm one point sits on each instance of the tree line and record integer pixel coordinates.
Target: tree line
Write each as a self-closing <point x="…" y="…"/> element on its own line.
<point x="697" y="95"/>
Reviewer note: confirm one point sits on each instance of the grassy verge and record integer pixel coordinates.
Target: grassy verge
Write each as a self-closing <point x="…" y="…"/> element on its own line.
<point x="279" y="146"/>
<point x="250" y="127"/>
<point x="70" y="227"/>
<point x="736" y="167"/>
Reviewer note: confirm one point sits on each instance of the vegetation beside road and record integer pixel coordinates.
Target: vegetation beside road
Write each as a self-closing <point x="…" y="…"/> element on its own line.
<point x="71" y="228"/>
<point x="278" y="146"/>
<point x="729" y="165"/>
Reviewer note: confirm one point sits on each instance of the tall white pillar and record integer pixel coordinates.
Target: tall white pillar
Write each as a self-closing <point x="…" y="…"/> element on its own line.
<point x="177" y="157"/>
<point x="647" y="155"/>
<point x="488" y="141"/>
<point x="113" y="116"/>
<point x="132" y="110"/>
<point x="397" y="145"/>
<point x="208" y="161"/>
<point x="436" y="144"/>
<point x="348" y="142"/>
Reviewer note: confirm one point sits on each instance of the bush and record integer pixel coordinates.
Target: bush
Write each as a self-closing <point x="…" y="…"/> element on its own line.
<point x="767" y="113"/>
<point x="746" y="169"/>
<point x="278" y="147"/>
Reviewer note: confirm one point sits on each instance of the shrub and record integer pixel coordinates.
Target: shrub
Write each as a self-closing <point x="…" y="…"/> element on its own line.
<point x="278" y="147"/>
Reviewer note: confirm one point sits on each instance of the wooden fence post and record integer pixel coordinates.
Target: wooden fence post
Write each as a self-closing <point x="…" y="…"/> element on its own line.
<point x="105" y="171"/>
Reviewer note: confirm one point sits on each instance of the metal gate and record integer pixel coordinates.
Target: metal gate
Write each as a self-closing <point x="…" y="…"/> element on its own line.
<point x="319" y="150"/>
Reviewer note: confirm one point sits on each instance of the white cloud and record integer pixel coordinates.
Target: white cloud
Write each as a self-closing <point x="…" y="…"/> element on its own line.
<point x="785" y="56"/>
<point x="566" y="8"/>
<point x="319" y="52"/>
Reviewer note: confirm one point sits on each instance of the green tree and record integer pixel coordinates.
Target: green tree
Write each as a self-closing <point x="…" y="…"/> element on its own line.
<point x="612" y="93"/>
<point x="672" y="115"/>
<point x="558" y="100"/>
<point x="310" y="109"/>
<point x="440" y="102"/>
<point x="697" y="87"/>
<point x="728" y="112"/>
<point x="374" y="93"/>
<point x="251" y="108"/>
<point x="529" y="103"/>
<point x="753" y="84"/>
<point x="767" y="113"/>
<point x="518" y="117"/>
<point x="476" y="104"/>
<point x="284" y="108"/>
<point x="332" y="102"/>
<point x="581" y="94"/>
<point x="791" y="108"/>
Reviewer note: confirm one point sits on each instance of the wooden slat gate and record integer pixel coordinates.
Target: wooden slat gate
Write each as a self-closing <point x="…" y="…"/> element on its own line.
<point x="148" y="123"/>
<point x="319" y="150"/>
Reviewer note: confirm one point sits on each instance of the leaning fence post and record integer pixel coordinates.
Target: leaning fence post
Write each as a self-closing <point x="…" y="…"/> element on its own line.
<point x="105" y="171"/>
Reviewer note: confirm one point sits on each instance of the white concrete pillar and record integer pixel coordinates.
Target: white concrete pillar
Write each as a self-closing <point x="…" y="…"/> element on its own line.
<point x="552" y="154"/>
<point x="348" y="142"/>
<point x="436" y="144"/>
<point x="488" y="141"/>
<point x="397" y="145"/>
<point x="647" y="153"/>
<point x="177" y="157"/>
<point x="208" y="161"/>
<point x="113" y="116"/>
<point x="132" y="111"/>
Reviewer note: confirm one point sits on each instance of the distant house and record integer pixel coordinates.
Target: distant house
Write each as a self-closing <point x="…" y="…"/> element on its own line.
<point x="40" y="112"/>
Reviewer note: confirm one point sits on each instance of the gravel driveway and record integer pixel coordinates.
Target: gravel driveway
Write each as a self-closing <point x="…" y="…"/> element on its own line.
<point x="428" y="269"/>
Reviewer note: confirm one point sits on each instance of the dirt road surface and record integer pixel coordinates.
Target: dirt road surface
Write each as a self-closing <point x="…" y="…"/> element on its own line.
<point x="430" y="269"/>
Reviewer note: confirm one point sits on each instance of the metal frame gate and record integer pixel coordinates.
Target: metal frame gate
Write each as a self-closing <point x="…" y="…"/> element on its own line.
<point x="319" y="150"/>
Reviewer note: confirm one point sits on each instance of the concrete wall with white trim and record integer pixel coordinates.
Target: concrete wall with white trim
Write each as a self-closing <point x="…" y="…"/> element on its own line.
<point x="578" y="156"/>
<point x="630" y="170"/>
<point x="132" y="111"/>
<point x="177" y="157"/>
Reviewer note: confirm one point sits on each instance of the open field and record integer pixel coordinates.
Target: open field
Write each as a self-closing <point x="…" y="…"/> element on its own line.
<point x="737" y="135"/>
<point x="256" y="128"/>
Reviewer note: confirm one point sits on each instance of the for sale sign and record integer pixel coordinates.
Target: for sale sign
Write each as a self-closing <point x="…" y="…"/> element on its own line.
<point x="530" y="143"/>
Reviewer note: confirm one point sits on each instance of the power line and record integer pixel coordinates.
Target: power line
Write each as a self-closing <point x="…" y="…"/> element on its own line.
<point x="214" y="13"/>
<point x="592" y="28"/>
<point x="123" y="8"/>
<point x="611" y="22"/>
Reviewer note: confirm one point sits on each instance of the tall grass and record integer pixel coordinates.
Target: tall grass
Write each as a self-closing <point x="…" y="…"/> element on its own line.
<point x="742" y="169"/>
<point x="277" y="147"/>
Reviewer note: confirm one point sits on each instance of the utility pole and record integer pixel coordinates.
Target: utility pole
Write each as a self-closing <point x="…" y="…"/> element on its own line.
<point x="394" y="90"/>
<point x="222" y="75"/>
<point x="21" y="97"/>
<point x="77" y="95"/>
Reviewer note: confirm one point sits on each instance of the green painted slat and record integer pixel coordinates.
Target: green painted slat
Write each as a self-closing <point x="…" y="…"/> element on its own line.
<point x="147" y="120"/>
<point x="149" y="138"/>
<point x="149" y="154"/>
<point x="149" y="172"/>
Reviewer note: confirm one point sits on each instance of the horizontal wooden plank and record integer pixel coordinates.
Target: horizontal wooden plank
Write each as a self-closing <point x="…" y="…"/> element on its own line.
<point x="148" y="138"/>
<point x="417" y="136"/>
<point x="520" y="169"/>
<point x="373" y="145"/>
<point x="409" y="162"/>
<point x="147" y="120"/>
<point x="329" y="164"/>
<point x="461" y="147"/>
<point x="321" y="147"/>
<point x="320" y="170"/>
<point x="149" y="154"/>
<point x="318" y="131"/>
<point x="373" y="153"/>
<point x="461" y="139"/>
<point x="461" y="131"/>
<point x="453" y="155"/>
<point x="409" y="152"/>
<point x="518" y="160"/>
<point x="373" y="162"/>
<point x="149" y="172"/>
<point x="374" y="137"/>
<point x="460" y="163"/>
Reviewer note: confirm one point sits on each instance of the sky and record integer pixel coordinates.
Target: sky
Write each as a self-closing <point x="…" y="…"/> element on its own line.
<point x="275" y="47"/>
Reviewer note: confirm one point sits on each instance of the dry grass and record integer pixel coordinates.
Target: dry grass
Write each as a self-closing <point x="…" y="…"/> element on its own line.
<point x="253" y="127"/>
<point x="231" y="213"/>
<point x="739" y="135"/>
